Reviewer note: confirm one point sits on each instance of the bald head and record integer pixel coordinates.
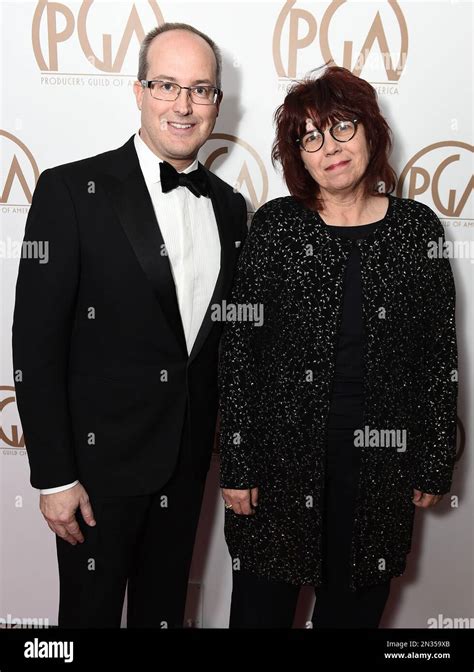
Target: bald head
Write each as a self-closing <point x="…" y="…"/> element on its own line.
<point x="174" y="29"/>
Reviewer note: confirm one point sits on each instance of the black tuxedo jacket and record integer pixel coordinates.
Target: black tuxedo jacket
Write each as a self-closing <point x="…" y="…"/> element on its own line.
<point x="104" y="383"/>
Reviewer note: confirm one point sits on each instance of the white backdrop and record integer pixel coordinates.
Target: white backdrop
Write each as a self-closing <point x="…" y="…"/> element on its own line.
<point x="67" y="73"/>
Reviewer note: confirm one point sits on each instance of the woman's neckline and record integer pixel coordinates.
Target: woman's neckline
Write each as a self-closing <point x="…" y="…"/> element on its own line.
<point x="355" y="227"/>
<point x="340" y="227"/>
<point x="370" y="232"/>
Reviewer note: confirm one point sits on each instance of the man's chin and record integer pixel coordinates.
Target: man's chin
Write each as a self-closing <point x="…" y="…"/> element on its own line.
<point x="182" y="154"/>
<point x="184" y="148"/>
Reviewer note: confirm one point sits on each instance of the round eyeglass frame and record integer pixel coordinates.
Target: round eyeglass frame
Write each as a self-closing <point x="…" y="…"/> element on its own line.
<point x="300" y="141"/>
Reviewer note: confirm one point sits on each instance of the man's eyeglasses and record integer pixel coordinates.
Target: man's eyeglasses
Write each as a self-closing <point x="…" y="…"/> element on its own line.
<point x="199" y="94"/>
<point x="343" y="131"/>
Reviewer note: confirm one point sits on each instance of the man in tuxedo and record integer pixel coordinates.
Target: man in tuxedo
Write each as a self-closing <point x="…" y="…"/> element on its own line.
<point x="115" y="351"/>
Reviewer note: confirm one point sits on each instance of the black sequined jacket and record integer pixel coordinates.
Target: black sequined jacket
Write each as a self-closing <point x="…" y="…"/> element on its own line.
<point x="276" y="379"/>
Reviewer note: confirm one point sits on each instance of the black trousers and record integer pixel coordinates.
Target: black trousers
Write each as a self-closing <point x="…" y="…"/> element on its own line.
<point x="261" y="603"/>
<point x="146" y="541"/>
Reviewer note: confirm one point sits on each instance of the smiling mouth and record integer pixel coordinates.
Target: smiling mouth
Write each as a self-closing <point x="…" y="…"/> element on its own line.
<point x="180" y="126"/>
<point x="340" y="164"/>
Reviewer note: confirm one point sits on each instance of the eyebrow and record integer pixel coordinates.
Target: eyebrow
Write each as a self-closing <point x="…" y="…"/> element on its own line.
<point x="168" y="78"/>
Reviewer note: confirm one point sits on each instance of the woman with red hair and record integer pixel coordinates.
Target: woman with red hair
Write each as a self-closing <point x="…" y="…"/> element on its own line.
<point x="338" y="409"/>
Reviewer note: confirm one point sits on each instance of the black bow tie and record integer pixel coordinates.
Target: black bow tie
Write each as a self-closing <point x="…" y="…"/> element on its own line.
<point x="196" y="181"/>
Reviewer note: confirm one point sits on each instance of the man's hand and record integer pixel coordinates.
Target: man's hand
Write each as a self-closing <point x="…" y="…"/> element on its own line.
<point x="242" y="502"/>
<point x="59" y="509"/>
<point x="424" y="500"/>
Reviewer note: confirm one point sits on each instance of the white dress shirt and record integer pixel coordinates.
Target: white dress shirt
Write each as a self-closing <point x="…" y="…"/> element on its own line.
<point x="189" y="229"/>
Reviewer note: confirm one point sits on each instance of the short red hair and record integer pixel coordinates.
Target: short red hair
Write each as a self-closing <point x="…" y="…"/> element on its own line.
<point x="334" y="96"/>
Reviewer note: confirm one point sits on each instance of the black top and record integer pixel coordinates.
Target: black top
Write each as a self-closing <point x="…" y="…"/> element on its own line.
<point x="347" y="402"/>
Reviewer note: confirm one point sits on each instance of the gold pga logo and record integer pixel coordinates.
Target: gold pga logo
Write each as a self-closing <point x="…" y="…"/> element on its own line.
<point x="11" y="434"/>
<point x="54" y="24"/>
<point x="239" y="164"/>
<point x="19" y="174"/>
<point x="373" y="26"/>
<point x="441" y="176"/>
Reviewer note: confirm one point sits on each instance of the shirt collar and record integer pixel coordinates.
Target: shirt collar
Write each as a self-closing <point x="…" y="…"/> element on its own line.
<point x="150" y="162"/>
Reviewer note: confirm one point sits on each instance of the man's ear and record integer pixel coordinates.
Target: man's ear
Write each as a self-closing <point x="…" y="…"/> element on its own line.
<point x="138" y="90"/>
<point x="218" y="102"/>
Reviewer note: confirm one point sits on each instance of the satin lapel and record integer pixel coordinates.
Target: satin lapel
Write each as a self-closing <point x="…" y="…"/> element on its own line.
<point x="131" y="200"/>
<point x="224" y="279"/>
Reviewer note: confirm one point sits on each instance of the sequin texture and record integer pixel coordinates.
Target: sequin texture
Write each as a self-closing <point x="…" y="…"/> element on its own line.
<point x="276" y="381"/>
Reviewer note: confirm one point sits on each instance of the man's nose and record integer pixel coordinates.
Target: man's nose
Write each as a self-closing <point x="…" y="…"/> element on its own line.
<point x="183" y="103"/>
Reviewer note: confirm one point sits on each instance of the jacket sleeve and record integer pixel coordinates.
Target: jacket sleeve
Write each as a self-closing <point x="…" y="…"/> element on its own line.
<point x="435" y="462"/>
<point x="238" y="369"/>
<point x="42" y="326"/>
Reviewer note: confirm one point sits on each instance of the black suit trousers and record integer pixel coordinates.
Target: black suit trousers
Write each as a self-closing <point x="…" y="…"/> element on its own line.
<point x="146" y="541"/>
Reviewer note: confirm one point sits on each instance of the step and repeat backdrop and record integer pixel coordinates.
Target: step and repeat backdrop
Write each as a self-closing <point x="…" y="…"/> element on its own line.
<point x="67" y="73"/>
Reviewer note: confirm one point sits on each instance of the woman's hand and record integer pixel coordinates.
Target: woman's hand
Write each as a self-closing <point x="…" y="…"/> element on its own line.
<point x="242" y="502"/>
<point x="424" y="500"/>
